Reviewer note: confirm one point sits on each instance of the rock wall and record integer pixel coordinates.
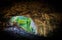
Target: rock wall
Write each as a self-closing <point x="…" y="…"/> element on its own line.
<point x="45" y="18"/>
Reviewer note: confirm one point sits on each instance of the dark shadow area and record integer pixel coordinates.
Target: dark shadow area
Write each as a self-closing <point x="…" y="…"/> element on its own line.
<point x="18" y="34"/>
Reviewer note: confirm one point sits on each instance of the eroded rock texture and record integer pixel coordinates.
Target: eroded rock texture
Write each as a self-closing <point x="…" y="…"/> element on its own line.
<point x="45" y="19"/>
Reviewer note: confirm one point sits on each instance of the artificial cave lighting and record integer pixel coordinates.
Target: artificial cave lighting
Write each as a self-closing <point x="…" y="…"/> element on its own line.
<point x="24" y="23"/>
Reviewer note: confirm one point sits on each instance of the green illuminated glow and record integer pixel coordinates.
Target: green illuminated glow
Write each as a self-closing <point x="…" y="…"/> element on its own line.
<point x="25" y="23"/>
